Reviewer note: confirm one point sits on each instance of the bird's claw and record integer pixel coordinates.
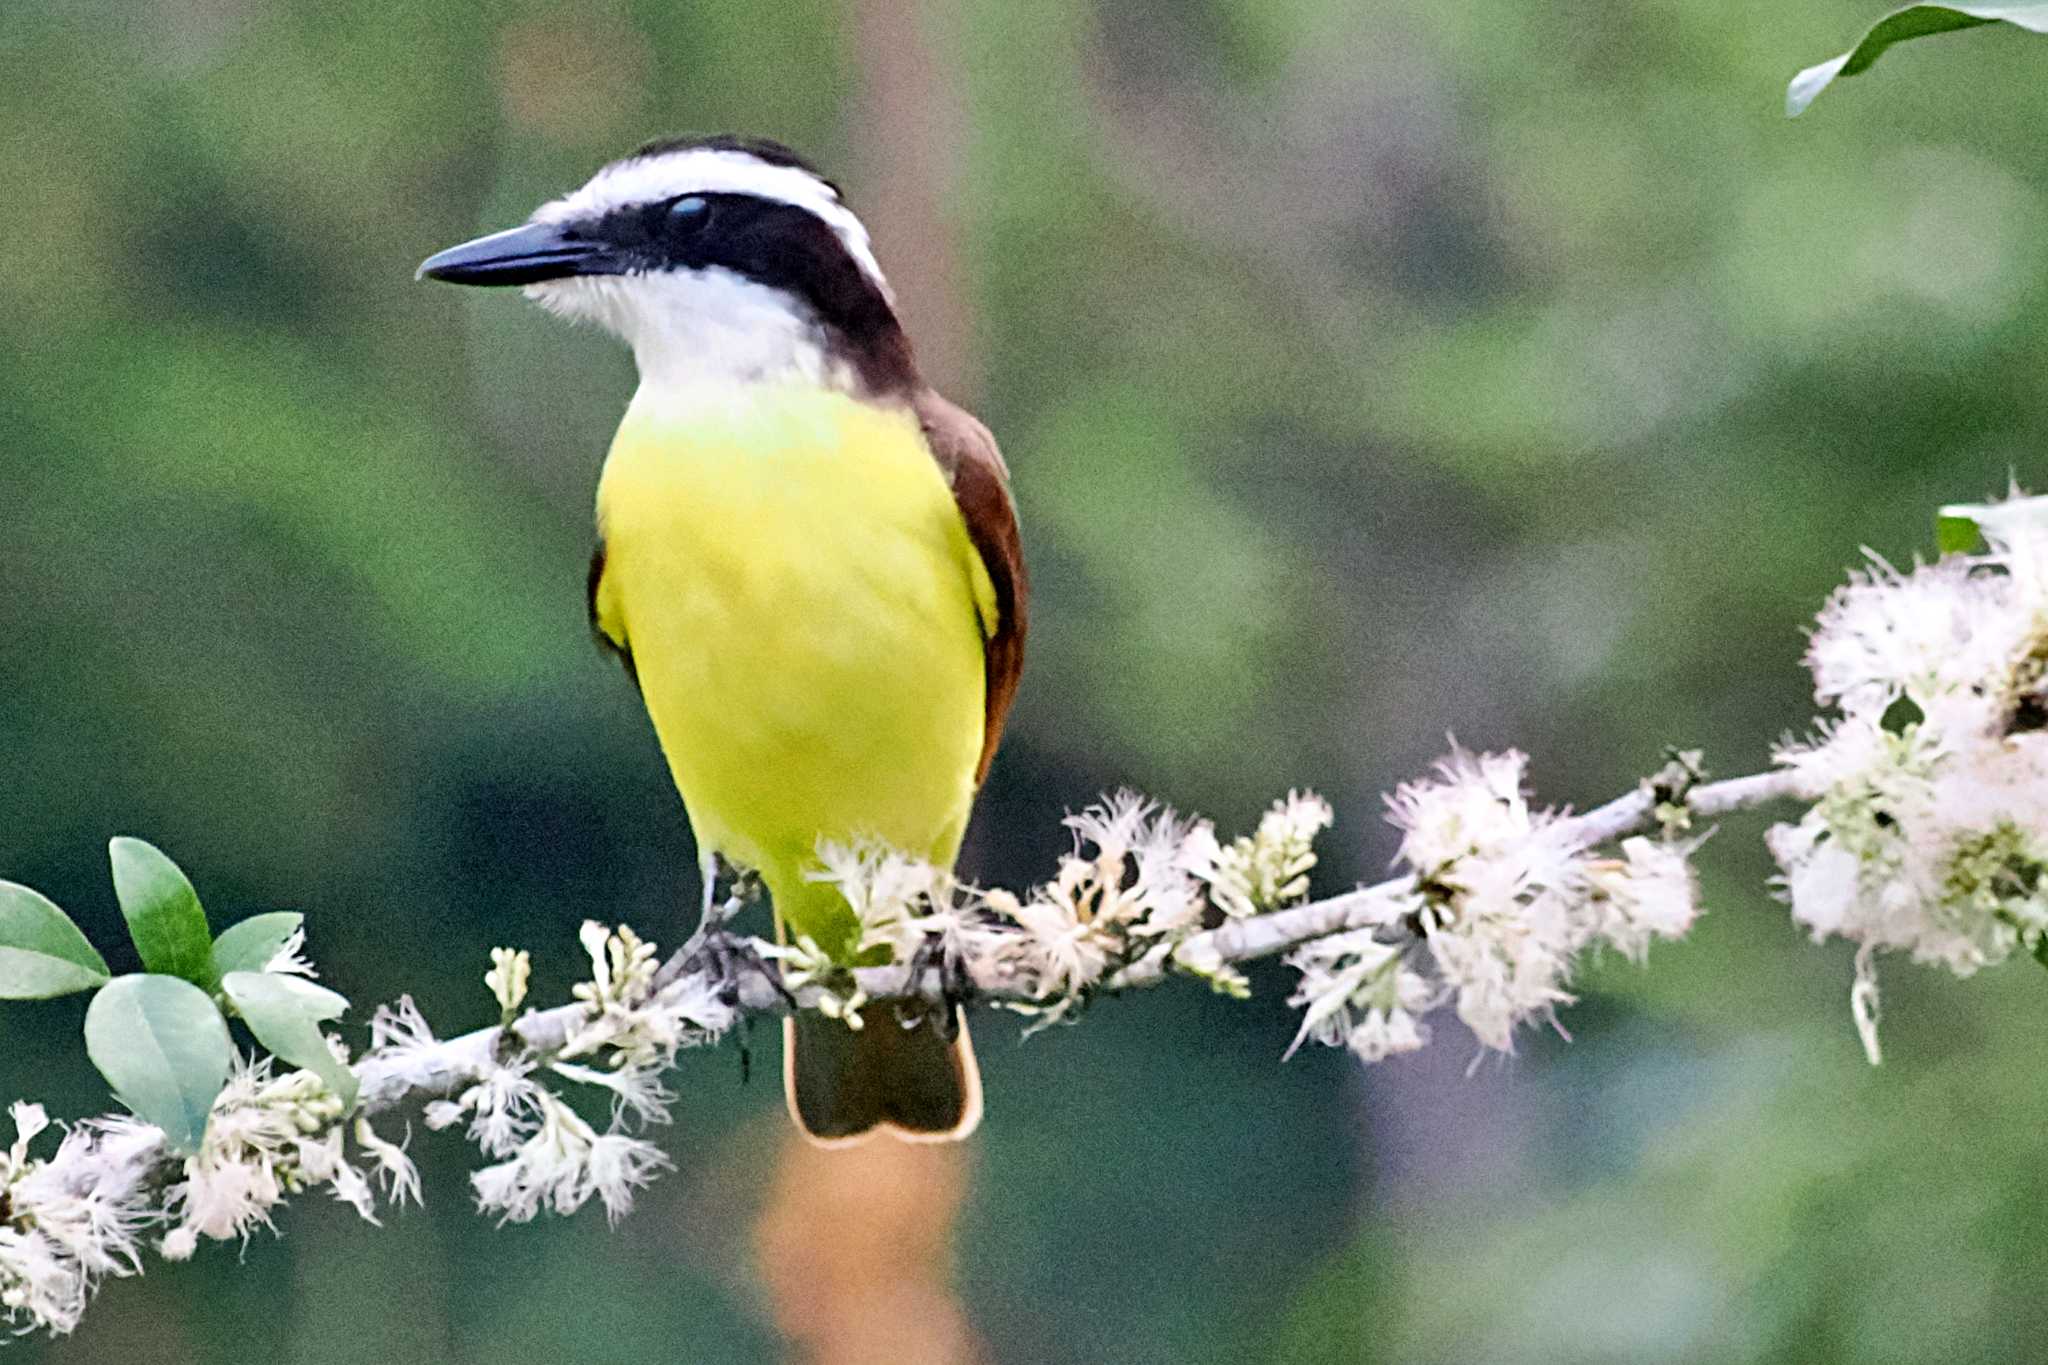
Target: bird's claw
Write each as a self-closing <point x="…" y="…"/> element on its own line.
<point x="956" y="987"/>
<point x="731" y="957"/>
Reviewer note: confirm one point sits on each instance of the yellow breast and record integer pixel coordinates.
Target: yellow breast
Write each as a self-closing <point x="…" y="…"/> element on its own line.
<point x="804" y="610"/>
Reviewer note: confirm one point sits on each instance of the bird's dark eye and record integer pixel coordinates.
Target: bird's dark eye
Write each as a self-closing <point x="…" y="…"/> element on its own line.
<point x="689" y="213"/>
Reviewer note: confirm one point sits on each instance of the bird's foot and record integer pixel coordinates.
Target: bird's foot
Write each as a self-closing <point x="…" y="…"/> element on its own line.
<point x="956" y="987"/>
<point x="728" y="890"/>
<point x="731" y="958"/>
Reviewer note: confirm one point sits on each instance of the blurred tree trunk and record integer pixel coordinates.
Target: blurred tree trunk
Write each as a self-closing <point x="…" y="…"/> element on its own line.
<point x="908" y="126"/>
<point x="855" y="1248"/>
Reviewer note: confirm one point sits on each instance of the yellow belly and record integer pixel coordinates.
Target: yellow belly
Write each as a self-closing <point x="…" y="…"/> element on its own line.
<point x="804" y="610"/>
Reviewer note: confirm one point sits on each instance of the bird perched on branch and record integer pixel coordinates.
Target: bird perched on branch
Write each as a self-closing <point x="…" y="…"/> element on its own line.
<point x="807" y="559"/>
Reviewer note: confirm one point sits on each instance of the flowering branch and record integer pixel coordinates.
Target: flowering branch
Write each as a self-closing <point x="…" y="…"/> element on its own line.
<point x="391" y="1078"/>
<point x="1924" y="829"/>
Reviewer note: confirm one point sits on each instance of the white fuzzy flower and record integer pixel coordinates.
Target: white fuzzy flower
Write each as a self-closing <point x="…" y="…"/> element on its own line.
<point x="1930" y="836"/>
<point x="1362" y="994"/>
<point x="1505" y="897"/>
<point x="267" y="1138"/>
<point x="1473" y="805"/>
<point x="637" y="1092"/>
<point x="290" y="957"/>
<point x="393" y="1169"/>
<point x="1648" y="893"/>
<point x="1509" y="902"/>
<point x="400" y="1031"/>
<point x="1171" y="859"/>
<point x="1061" y="950"/>
<point x="503" y="1105"/>
<point x="1885" y="634"/>
<point x="618" y="1166"/>
<point x="562" y="1164"/>
<point x="1504" y="946"/>
<point x="69" y="1221"/>
<point x="1928" y="842"/>
<point x="889" y="893"/>
<point x="1131" y="890"/>
<point x="1269" y="869"/>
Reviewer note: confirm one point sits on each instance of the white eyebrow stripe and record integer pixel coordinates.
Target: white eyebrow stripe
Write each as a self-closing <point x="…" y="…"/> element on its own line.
<point x="714" y="170"/>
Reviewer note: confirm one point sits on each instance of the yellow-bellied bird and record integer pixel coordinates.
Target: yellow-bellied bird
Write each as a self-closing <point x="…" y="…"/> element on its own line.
<point x="807" y="558"/>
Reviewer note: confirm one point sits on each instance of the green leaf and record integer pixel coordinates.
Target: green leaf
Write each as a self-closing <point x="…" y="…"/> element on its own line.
<point x="284" y="1012"/>
<point x="249" y="946"/>
<point x="163" y="1046"/>
<point x="1963" y="527"/>
<point x="1954" y="535"/>
<point x="163" y="913"/>
<point x="1914" y="21"/>
<point x="42" y="953"/>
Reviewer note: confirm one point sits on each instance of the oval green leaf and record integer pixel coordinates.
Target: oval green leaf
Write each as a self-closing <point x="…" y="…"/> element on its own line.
<point x="42" y="953"/>
<point x="249" y="946"/>
<point x="163" y="1046"/>
<point x="163" y="913"/>
<point x="1914" y="21"/>
<point x="284" y="1012"/>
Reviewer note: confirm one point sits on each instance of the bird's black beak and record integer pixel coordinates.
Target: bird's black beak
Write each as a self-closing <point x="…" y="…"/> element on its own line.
<point x="522" y="255"/>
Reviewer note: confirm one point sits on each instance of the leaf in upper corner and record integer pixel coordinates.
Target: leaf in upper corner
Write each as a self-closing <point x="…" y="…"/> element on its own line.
<point x="250" y="945"/>
<point x="42" y="953"/>
<point x="162" y="1044"/>
<point x="285" y="1013"/>
<point x="163" y="913"/>
<point x="1965" y="527"/>
<point x="1914" y="21"/>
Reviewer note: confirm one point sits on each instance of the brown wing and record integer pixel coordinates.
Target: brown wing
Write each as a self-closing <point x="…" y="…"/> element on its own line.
<point x="614" y="644"/>
<point x="981" y="487"/>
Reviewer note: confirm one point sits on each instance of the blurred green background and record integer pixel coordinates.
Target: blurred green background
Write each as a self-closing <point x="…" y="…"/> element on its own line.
<point x="1368" y="371"/>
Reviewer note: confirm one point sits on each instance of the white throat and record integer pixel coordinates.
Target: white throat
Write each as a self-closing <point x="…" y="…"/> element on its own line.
<point x="702" y="328"/>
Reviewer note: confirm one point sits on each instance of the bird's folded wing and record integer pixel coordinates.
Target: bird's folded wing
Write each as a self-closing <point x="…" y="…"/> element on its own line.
<point x="967" y="453"/>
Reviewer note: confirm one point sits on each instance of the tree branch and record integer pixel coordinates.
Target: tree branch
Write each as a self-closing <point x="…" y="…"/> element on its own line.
<point x="389" y="1080"/>
<point x="1928" y="837"/>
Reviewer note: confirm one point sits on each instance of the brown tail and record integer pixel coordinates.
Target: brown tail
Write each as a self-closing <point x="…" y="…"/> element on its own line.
<point x="845" y="1083"/>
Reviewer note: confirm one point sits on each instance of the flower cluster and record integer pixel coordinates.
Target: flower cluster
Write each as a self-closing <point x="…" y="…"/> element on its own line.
<point x="69" y="1220"/>
<point x="1135" y="886"/>
<point x="637" y="1028"/>
<point x="548" y="1155"/>
<point x="1269" y="868"/>
<point x="1929" y="830"/>
<point x="1139" y="887"/>
<point x="1503" y="898"/>
<point x="269" y="1137"/>
<point x="1361" y="993"/>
